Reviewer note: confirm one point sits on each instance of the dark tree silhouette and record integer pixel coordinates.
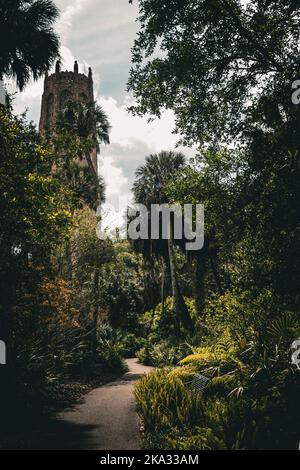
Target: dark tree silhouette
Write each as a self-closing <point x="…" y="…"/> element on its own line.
<point x="28" y="43"/>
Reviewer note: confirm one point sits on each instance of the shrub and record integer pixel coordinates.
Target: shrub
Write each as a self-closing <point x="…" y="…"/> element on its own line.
<point x="165" y="403"/>
<point x="241" y="407"/>
<point x="162" y="325"/>
<point x="162" y="354"/>
<point x="199" y="439"/>
<point x="185" y="373"/>
<point x="177" y="417"/>
<point x="217" y="359"/>
<point x="243" y="347"/>
<point x="109" y="348"/>
<point x="130" y="345"/>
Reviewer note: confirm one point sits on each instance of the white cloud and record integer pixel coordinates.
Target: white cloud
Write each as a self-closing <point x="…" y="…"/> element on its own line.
<point x="102" y="31"/>
<point x="69" y="10"/>
<point x="127" y="128"/>
<point x="117" y="183"/>
<point x="132" y="139"/>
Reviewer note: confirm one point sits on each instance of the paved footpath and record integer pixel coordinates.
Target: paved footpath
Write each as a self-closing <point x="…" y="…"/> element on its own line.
<point x="105" y="420"/>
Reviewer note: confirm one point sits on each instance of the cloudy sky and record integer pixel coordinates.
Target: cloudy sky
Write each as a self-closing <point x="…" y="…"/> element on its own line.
<point x="100" y="34"/>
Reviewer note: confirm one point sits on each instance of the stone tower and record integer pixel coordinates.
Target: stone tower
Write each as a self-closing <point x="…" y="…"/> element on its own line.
<point x="61" y="87"/>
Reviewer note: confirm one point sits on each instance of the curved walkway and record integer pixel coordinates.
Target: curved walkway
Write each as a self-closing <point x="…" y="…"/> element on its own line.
<point x="105" y="420"/>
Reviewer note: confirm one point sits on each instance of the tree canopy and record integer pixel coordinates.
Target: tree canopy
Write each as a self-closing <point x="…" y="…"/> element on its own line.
<point x="211" y="61"/>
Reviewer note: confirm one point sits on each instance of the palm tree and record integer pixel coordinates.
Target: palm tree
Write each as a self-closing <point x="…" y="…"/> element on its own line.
<point x="89" y="125"/>
<point x="150" y="188"/>
<point x="86" y="120"/>
<point x="28" y="43"/>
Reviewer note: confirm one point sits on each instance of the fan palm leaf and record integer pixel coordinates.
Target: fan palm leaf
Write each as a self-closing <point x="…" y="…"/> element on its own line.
<point x="28" y="43"/>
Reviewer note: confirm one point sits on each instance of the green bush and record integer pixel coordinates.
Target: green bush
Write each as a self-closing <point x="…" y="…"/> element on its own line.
<point x="109" y="348"/>
<point x="161" y="324"/>
<point x="131" y="344"/>
<point x="163" y="353"/>
<point x="165" y="403"/>
<point x="240" y="408"/>
<point x="177" y="417"/>
<point x="162" y="346"/>
<point x="242" y="344"/>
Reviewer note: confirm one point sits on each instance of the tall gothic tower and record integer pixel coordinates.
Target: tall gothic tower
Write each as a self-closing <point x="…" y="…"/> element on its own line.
<point x="61" y="87"/>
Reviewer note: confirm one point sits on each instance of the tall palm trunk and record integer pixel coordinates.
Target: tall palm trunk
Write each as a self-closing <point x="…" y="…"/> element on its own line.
<point x="201" y="271"/>
<point x="163" y="286"/>
<point x="205" y="257"/>
<point x="90" y="163"/>
<point x="216" y="275"/>
<point x="180" y="309"/>
<point x="95" y="312"/>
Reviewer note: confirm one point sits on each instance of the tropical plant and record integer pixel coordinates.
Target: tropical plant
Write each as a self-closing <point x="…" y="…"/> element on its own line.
<point x="122" y="288"/>
<point x="80" y="129"/>
<point x="28" y="43"/>
<point x="150" y="188"/>
<point x="164" y="402"/>
<point x="88" y="254"/>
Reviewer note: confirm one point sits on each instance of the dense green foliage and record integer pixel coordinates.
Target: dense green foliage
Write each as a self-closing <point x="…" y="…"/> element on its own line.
<point x="208" y="61"/>
<point x="72" y="304"/>
<point x="245" y="279"/>
<point x="243" y="406"/>
<point x="51" y="264"/>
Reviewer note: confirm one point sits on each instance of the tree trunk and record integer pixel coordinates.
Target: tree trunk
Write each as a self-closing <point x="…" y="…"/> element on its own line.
<point x="95" y="312"/>
<point x="180" y="308"/>
<point x="201" y="270"/>
<point x="216" y="275"/>
<point x="163" y="284"/>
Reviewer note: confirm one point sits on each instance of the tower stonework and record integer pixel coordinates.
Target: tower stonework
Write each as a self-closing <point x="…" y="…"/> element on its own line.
<point x="58" y="89"/>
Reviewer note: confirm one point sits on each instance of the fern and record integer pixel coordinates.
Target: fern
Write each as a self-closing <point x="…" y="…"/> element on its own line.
<point x="284" y="327"/>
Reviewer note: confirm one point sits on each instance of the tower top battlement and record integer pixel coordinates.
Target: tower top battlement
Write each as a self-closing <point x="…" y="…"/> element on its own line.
<point x="60" y="87"/>
<point x="63" y="75"/>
